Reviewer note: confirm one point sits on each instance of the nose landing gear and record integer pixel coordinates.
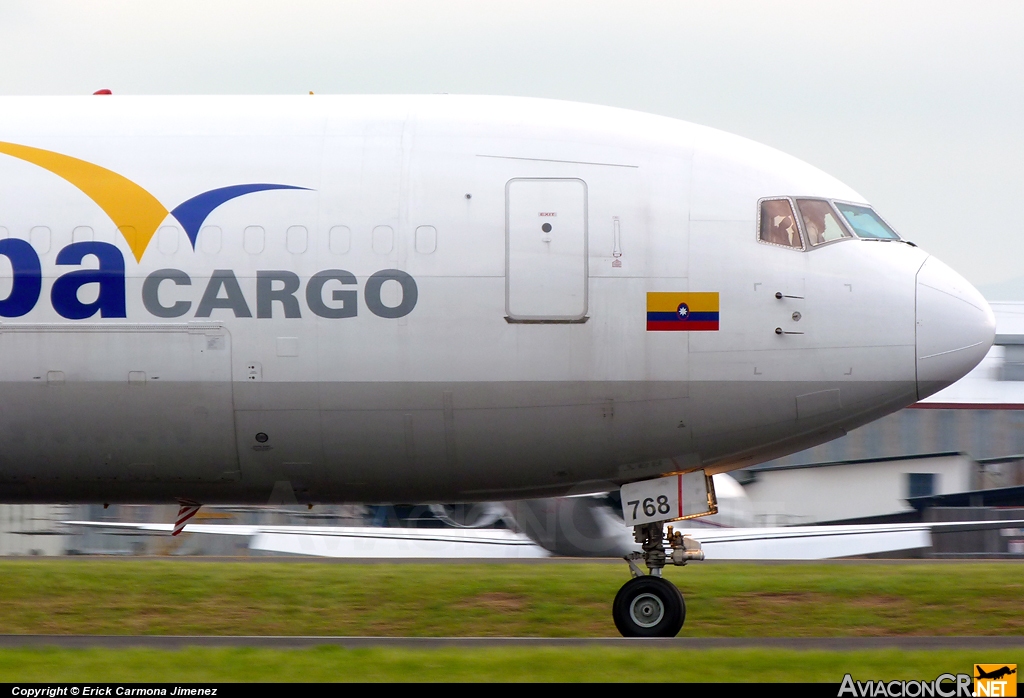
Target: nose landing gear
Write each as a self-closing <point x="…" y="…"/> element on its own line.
<point x="649" y="605"/>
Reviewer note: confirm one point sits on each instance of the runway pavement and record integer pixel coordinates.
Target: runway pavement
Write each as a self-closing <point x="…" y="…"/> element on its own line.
<point x="170" y="642"/>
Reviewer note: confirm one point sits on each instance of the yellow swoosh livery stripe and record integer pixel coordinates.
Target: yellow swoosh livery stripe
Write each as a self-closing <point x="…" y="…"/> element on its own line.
<point x="668" y="302"/>
<point x="136" y="213"/>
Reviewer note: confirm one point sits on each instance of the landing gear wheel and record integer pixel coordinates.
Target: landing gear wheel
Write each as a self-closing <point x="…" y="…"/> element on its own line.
<point x="649" y="606"/>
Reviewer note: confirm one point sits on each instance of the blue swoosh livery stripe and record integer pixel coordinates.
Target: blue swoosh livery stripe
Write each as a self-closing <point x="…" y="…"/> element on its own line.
<point x="194" y="212"/>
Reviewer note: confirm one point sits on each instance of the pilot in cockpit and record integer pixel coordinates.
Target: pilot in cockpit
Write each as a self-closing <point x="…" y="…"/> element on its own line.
<point x="778" y="224"/>
<point x="820" y="222"/>
<point x="814" y="221"/>
<point x="786" y="233"/>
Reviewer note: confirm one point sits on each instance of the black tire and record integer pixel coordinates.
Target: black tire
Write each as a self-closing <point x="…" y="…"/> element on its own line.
<point x="649" y="607"/>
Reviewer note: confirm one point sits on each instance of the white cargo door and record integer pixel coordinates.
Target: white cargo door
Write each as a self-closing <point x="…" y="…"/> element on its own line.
<point x="546" y="250"/>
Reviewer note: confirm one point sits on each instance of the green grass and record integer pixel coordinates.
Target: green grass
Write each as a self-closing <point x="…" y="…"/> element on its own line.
<point x="180" y="597"/>
<point x="329" y="664"/>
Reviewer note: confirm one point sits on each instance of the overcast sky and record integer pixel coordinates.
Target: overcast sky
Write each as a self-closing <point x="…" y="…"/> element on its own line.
<point x="917" y="105"/>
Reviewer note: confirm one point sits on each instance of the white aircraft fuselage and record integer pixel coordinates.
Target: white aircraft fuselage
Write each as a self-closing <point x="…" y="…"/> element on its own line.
<point x="433" y="298"/>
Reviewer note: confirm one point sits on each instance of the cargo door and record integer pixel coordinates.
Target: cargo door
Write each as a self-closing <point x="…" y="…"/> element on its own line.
<point x="546" y="250"/>
<point x="103" y="402"/>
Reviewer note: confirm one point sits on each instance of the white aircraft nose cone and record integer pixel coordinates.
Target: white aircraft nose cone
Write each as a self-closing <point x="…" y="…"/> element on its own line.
<point x="955" y="327"/>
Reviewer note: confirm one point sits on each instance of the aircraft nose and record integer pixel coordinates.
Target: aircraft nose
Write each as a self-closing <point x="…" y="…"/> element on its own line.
<point x="955" y="327"/>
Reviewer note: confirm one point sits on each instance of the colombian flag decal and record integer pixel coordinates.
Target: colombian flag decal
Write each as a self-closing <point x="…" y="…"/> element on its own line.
<point x="682" y="312"/>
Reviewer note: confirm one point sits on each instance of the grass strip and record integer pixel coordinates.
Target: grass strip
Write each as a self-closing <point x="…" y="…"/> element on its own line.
<point x="334" y="664"/>
<point x="180" y="597"/>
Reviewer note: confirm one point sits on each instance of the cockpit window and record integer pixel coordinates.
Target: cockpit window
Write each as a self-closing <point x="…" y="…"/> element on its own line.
<point x="866" y="223"/>
<point x="778" y="224"/>
<point x="820" y="221"/>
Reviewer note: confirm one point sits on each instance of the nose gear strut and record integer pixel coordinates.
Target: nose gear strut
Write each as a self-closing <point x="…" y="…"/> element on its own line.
<point x="652" y="538"/>
<point x="649" y="605"/>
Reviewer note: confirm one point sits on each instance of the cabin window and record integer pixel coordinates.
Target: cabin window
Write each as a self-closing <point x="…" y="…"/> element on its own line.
<point x="39" y="237"/>
<point x="82" y="233"/>
<point x="426" y="239"/>
<point x="167" y="241"/>
<point x="820" y="222"/>
<point x="866" y="223"/>
<point x="210" y="239"/>
<point x="253" y="239"/>
<point x="296" y="239"/>
<point x="128" y="232"/>
<point x="3" y="233"/>
<point x="778" y="224"/>
<point x="340" y="239"/>
<point x="383" y="239"/>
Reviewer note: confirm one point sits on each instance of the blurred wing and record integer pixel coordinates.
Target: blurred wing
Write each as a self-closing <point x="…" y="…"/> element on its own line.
<point x="823" y="542"/>
<point x="353" y="541"/>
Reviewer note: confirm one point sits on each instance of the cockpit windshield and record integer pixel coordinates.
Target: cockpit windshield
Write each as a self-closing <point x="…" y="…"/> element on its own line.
<point x="866" y="223"/>
<point x="778" y="224"/>
<point x="820" y="222"/>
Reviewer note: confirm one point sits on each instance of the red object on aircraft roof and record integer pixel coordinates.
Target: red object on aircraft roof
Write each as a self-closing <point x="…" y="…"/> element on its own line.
<point x="103" y="92"/>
